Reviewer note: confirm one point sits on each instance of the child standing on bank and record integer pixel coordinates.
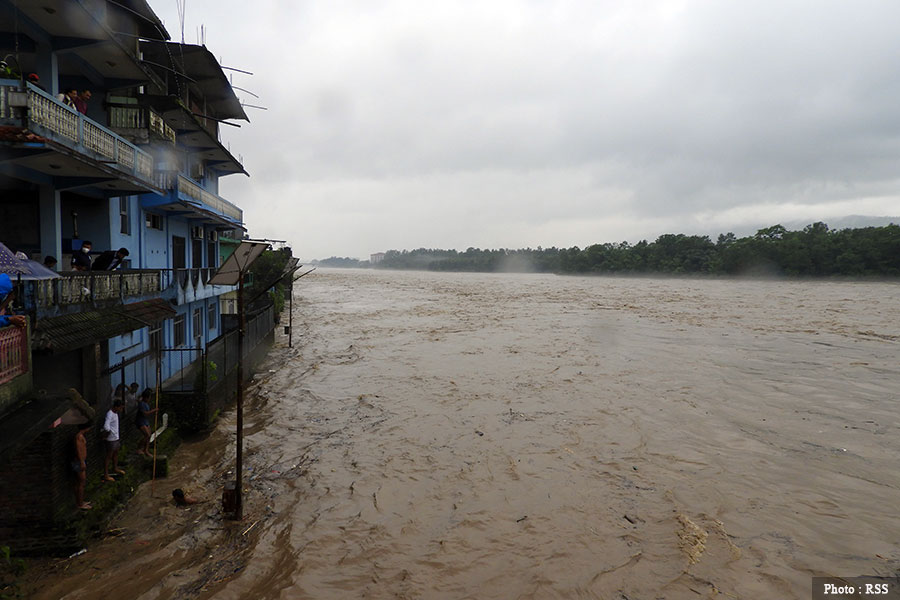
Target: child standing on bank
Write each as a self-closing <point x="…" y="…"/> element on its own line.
<point x="111" y="433"/>
<point x="142" y="420"/>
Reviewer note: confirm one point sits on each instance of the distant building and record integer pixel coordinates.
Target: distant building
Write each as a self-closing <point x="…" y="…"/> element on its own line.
<point x="376" y="258"/>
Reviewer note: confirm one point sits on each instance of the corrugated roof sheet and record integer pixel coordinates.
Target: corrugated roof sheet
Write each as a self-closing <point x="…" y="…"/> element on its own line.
<point x="69" y="332"/>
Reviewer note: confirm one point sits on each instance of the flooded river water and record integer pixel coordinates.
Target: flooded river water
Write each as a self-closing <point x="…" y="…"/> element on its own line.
<point x="452" y="436"/>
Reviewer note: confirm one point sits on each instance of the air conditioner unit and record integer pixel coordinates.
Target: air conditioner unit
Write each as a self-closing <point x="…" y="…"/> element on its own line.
<point x="197" y="233"/>
<point x="213" y="235"/>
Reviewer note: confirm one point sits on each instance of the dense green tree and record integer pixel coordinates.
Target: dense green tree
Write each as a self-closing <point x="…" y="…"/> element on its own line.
<point x="814" y="251"/>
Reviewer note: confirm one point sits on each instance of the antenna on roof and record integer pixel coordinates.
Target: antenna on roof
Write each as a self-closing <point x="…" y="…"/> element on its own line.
<point x="243" y="90"/>
<point x="233" y="69"/>
<point x="181" y="8"/>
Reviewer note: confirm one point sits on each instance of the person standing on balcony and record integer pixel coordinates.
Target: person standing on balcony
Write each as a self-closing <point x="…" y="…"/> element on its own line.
<point x="81" y="101"/>
<point x="109" y="260"/>
<point x="7" y="295"/>
<point x="50" y="262"/>
<point x="81" y="261"/>
<point x="69" y="98"/>
<point x="34" y="80"/>
<point x="111" y="433"/>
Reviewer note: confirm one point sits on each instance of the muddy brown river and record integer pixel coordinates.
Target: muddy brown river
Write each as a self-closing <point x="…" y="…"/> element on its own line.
<point x="451" y="436"/>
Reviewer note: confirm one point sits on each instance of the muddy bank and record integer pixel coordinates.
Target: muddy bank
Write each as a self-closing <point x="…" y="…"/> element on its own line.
<point x="504" y="436"/>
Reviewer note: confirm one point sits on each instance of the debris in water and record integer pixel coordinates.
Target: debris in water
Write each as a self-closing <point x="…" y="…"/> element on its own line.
<point x="691" y="538"/>
<point x="79" y="553"/>
<point x="522" y="519"/>
<point x="630" y="519"/>
<point x="479" y="432"/>
<point x="249" y="528"/>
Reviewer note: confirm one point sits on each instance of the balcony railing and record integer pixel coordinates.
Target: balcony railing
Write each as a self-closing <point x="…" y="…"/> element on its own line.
<point x="217" y="203"/>
<point x="76" y="288"/>
<point x="14" y="352"/>
<point x="168" y="180"/>
<point x="81" y="287"/>
<point x="71" y="128"/>
<point x="133" y="116"/>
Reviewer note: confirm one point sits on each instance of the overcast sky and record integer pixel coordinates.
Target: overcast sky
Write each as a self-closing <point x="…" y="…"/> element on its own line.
<point x="504" y="123"/>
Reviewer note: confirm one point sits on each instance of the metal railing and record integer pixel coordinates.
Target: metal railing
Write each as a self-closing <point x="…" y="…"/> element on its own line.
<point x="13" y="352"/>
<point x="134" y="116"/>
<point x="68" y="126"/>
<point x="198" y="370"/>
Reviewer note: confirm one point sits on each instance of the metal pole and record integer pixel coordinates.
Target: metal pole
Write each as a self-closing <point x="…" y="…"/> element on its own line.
<point x="291" y="315"/>
<point x="156" y="414"/>
<point x="240" y="400"/>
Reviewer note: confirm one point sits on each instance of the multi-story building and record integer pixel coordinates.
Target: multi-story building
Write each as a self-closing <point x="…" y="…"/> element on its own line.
<point x="138" y="169"/>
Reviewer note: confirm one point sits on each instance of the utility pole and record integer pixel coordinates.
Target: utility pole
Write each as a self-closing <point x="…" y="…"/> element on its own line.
<point x="232" y="272"/>
<point x="291" y="314"/>
<point x="239" y="507"/>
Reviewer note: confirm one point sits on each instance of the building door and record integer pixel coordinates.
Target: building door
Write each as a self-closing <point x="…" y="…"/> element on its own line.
<point x="179" y="260"/>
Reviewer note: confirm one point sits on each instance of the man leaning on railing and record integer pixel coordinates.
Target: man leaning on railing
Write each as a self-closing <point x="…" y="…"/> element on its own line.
<point x="7" y="294"/>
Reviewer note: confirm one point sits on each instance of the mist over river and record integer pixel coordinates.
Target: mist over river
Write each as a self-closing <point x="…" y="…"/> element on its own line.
<point x="487" y="436"/>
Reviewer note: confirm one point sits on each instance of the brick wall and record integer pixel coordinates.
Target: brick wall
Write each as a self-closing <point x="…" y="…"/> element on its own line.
<point x="37" y="503"/>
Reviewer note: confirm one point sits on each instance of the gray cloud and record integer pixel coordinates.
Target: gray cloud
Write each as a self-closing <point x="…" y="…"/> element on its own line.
<point x="512" y="123"/>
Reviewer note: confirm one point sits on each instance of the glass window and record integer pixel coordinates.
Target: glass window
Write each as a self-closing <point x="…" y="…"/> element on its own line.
<point x="211" y="316"/>
<point x="155" y="340"/>
<point x="198" y="322"/>
<point x="153" y="221"/>
<point x="180" y="334"/>
<point x="124" y="215"/>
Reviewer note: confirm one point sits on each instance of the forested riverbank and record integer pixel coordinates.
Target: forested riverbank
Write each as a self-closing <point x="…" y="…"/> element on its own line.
<point x="814" y="251"/>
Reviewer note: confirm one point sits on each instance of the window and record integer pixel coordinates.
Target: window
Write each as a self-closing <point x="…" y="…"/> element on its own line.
<point x="153" y="221"/>
<point x="125" y="215"/>
<point x="212" y="257"/>
<point x="155" y="340"/>
<point x="197" y="253"/>
<point x="197" y="325"/>
<point x="179" y="258"/>
<point x="180" y="334"/>
<point x="211" y="316"/>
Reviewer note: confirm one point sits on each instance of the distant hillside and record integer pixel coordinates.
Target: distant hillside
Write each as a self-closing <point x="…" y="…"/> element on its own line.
<point x="815" y="250"/>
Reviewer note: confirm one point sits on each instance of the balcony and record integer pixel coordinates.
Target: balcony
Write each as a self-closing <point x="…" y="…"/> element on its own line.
<point x="36" y="122"/>
<point x="76" y="288"/>
<point x="134" y="119"/>
<point x="188" y="198"/>
<point x="193" y="284"/>
<point x="78" y="291"/>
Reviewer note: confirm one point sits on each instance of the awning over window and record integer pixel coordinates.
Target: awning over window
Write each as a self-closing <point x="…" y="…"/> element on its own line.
<point x="69" y="332"/>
